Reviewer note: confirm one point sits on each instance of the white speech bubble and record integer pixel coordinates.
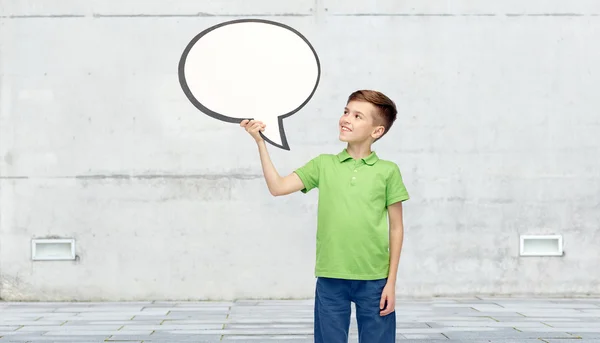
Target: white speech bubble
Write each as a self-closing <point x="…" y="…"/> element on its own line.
<point x="250" y="69"/>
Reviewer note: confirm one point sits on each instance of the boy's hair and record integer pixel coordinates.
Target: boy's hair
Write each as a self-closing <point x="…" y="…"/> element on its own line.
<point x="386" y="108"/>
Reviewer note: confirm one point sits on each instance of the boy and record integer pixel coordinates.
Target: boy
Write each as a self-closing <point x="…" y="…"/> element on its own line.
<point x="357" y="255"/>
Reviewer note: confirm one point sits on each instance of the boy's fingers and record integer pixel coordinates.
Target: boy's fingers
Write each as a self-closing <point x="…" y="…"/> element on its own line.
<point x="382" y="302"/>
<point x="252" y="126"/>
<point x="257" y="126"/>
<point x="385" y="311"/>
<point x="388" y="309"/>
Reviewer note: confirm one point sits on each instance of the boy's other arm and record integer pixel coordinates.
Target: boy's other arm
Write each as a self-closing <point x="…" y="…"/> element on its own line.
<point x="277" y="184"/>
<point x="396" y="239"/>
<point x="388" y="296"/>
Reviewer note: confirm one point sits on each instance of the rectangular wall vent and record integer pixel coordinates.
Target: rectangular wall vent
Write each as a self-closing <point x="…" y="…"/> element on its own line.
<point x="541" y="245"/>
<point x="52" y="249"/>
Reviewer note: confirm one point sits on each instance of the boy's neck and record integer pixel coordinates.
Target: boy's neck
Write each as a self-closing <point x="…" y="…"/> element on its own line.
<point x="358" y="151"/>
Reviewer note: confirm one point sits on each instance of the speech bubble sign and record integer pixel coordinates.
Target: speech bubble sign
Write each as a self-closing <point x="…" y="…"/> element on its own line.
<point x="250" y="69"/>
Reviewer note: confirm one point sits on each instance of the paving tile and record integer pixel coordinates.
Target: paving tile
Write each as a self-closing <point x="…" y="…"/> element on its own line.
<point x="504" y="334"/>
<point x="180" y="340"/>
<point x="256" y="331"/>
<point x="53" y="340"/>
<point x="572" y="325"/>
<point x="546" y="319"/>
<point x="190" y="315"/>
<point x="73" y="319"/>
<point x="560" y="313"/>
<point x="111" y="322"/>
<point x="444" y="330"/>
<point x="216" y="310"/>
<point x="97" y="333"/>
<point x="173" y="327"/>
<point x="422" y="336"/>
<point x="67" y="338"/>
<point x="108" y="314"/>
<point x="585" y="335"/>
<point x="167" y="322"/>
<point x="25" y="310"/>
<point x="124" y="338"/>
<point x="99" y="309"/>
<point x="493" y="324"/>
<point x="595" y="329"/>
<point x="170" y="338"/>
<point x="544" y="306"/>
<point x="4" y="328"/>
<point x="192" y="303"/>
<point x="429" y="318"/>
<point x="20" y="333"/>
<point x="55" y="316"/>
<point x="270" y="339"/>
<point x="269" y="326"/>
<point x="70" y="328"/>
<point x="22" y="322"/>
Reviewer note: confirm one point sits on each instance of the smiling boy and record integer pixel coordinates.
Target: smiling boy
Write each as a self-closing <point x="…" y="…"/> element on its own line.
<point x="359" y="227"/>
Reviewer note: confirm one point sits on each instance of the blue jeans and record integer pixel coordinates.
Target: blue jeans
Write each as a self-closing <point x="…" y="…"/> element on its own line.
<point x="333" y="299"/>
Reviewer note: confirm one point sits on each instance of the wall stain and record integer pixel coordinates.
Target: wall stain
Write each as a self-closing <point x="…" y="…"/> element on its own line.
<point x="8" y="158"/>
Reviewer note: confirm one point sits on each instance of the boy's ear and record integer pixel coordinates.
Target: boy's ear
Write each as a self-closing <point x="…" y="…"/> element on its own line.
<point x="378" y="132"/>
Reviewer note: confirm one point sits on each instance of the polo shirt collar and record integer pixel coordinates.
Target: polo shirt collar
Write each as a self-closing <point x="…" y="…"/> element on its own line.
<point x="370" y="160"/>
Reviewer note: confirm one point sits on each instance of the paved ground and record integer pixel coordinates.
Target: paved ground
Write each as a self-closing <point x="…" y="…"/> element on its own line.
<point x="438" y="320"/>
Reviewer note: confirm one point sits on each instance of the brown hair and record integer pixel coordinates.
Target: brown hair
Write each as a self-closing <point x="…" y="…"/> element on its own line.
<point x="386" y="107"/>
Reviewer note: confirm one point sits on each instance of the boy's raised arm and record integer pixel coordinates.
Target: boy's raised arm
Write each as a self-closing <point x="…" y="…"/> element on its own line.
<point x="277" y="184"/>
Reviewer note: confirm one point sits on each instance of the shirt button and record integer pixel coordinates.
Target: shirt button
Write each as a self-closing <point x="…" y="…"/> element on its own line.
<point x="355" y="170"/>
<point x="353" y="178"/>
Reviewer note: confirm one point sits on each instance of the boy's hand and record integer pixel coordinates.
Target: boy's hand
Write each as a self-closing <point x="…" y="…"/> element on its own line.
<point x="253" y="128"/>
<point x="388" y="300"/>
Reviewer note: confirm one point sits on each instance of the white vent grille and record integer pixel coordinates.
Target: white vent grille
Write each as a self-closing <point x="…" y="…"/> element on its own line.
<point x="52" y="249"/>
<point x="541" y="245"/>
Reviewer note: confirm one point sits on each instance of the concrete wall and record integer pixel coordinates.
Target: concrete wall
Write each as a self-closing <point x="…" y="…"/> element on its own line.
<point x="498" y="136"/>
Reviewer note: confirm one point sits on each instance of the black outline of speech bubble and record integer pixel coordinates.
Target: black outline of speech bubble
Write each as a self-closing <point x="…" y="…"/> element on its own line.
<point x="225" y="118"/>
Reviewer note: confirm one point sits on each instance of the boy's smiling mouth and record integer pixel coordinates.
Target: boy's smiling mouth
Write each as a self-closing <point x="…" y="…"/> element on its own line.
<point x="345" y="128"/>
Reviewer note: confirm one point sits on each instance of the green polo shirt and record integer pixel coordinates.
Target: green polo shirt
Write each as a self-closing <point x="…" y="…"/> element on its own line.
<point x="352" y="223"/>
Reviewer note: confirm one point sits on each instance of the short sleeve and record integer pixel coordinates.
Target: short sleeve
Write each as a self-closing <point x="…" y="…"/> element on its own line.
<point x="395" y="188"/>
<point x="309" y="174"/>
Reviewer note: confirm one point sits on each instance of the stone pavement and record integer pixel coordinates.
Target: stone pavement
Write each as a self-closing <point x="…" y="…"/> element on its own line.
<point x="450" y="320"/>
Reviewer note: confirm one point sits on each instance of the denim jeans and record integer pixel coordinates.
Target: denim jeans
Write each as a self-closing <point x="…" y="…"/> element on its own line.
<point x="333" y="298"/>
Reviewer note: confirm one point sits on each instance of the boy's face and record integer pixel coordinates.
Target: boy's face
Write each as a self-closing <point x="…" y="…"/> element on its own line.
<point x="358" y="124"/>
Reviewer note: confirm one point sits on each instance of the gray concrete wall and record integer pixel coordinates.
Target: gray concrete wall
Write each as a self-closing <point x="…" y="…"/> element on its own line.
<point x="497" y="136"/>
